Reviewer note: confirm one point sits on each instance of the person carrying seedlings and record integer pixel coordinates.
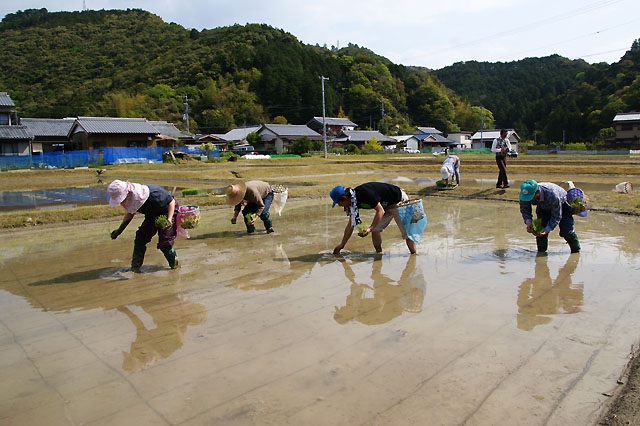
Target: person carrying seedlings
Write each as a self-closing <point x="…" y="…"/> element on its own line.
<point x="501" y="146"/>
<point x="160" y="213"/>
<point x="256" y="196"/>
<point x="552" y="209"/>
<point x="383" y="198"/>
<point x="450" y="168"/>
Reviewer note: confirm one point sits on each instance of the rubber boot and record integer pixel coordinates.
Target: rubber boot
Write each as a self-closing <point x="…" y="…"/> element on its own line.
<point x="268" y="225"/>
<point x="139" y="249"/>
<point x="542" y="243"/>
<point x="574" y="243"/>
<point x="171" y="256"/>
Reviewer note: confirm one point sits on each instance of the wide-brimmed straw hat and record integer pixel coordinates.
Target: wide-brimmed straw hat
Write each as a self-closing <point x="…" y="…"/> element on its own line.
<point x="235" y="192"/>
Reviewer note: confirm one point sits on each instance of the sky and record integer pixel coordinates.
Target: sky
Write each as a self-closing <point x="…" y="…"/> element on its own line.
<point x="427" y="33"/>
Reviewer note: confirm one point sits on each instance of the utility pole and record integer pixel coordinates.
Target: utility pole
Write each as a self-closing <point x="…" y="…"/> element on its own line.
<point x="185" y="116"/>
<point x="481" y="125"/>
<point x="324" y="126"/>
<point x="382" y="112"/>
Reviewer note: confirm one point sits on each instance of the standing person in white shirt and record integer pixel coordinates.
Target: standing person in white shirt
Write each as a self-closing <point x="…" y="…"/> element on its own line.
<point x="501" y="146"/>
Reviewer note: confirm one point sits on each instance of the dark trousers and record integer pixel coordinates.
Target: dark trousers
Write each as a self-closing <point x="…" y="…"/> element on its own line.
<point x="501" y="161"/>
<point x="148" y="229"/>
<point x="566" y="222"/>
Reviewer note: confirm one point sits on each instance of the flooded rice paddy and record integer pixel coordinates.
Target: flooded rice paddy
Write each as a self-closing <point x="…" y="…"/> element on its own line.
<point x="274" y="329"/>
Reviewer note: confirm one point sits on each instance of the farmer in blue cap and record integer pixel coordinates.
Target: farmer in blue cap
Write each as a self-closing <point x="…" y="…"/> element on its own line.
<point x="552" y="208"/>
<point x="383" y="198"/>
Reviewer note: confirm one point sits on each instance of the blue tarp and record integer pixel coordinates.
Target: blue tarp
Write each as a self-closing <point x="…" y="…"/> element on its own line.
<point x="92" y="157"/>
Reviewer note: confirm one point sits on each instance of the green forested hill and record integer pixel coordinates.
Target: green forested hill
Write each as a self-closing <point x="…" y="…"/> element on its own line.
<point x="133" y="64"/>
<point x="552" y="94"/>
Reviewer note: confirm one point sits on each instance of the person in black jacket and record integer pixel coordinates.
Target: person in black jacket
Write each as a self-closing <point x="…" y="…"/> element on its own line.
<point x="383" y="198"/>
<point x="152" y="201"/>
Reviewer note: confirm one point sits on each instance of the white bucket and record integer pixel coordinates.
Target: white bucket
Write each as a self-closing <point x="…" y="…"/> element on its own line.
<point x="624" y="187"/>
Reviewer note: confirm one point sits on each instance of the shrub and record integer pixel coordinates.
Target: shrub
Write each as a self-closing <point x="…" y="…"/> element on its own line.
<point x="339" y="151"/>
<point x="305" y="154"/>
<point x="352" y="149"/>
<point x="576" y="146"/>
<point x="372" y="145"/>
<point x="300" y="146"/>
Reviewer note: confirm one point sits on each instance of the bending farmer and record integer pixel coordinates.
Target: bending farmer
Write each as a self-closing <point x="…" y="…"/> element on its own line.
<point x="383" y="198"/>
<point x="501" y="146"/>
<point x="451" y="167"/>
<point x="257" y="196"/>
<point x="552" y="209"/>
<point x="152" y="201"/>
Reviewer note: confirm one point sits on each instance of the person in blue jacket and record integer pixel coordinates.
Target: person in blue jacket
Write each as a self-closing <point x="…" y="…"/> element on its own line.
<point x="552" y="208"/>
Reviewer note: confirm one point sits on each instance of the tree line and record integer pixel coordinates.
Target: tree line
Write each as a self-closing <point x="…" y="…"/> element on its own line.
<point x="130" y="63"/>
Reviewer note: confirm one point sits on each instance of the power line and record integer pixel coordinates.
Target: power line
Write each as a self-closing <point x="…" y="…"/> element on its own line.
<point x="617" y="26"/>
<point x="533" y="25"/>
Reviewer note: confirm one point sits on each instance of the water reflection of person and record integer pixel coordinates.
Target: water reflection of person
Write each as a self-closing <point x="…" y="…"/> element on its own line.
<point x="539" y="296"/>
<point x="389" y="299"/>
<point x="171" y="315"/>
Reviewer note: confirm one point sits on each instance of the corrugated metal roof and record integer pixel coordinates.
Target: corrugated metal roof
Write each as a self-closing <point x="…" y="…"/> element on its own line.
<point x="429" y="130"/>
<point x="169" y="130"/>
<point x="48" y="126"/>
<point x="5" y="100"/>
<point x="493" y="133"/>
<point x="109" y="125"/>
<point x="292" y="130"/>
<point x="15" y="133"/>
<point x="362" y="136"/>
<point x="629" y="116"/>
<point x="335" y="121"/>
<point x="438" y="139"/>
<point x="239" y="133"/>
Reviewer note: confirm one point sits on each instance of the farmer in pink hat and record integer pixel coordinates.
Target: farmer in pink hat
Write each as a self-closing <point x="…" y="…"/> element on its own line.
<point x="152" y="201"/>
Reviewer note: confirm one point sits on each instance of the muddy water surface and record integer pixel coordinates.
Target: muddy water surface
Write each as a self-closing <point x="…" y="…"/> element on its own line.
<point x="273" y="329"/>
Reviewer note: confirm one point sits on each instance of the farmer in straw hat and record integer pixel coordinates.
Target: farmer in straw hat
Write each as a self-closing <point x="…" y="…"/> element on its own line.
<point x="256" y="196"/>
<point x="383" y="198"/>
<point x="450" y="168"/>
<point x="152" y="201"/>
<point x="552" y="208"/>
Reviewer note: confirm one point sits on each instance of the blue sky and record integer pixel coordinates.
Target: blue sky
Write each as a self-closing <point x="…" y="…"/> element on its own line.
<point x="428" y="33"/>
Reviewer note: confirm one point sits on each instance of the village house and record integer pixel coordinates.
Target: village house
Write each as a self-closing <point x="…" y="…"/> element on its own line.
<point x="239" y="134"/>
<point x="408" y="141"/>
<point x="215" y="140"/>
<point x="433" y="140"/>
<point x="15" y="139"/>
<point x="427" y="131"/>
<point x="484" y="138"/>
<point x="107" y="132"/>
<point x="627" y="128"/>
<point x="334" y="125"/>
<point x="49" y="134"/>
<point x="359" y="137"/>
<point x="169" y="135"/>
<point x="461" y="139"/>
<point x="279" y="137"/>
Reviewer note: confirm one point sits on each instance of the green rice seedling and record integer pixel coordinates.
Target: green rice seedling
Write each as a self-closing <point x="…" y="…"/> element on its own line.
<point x="162" y="222"/>
<point x="191" y="191"/>
<point x="537" y="226"/>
